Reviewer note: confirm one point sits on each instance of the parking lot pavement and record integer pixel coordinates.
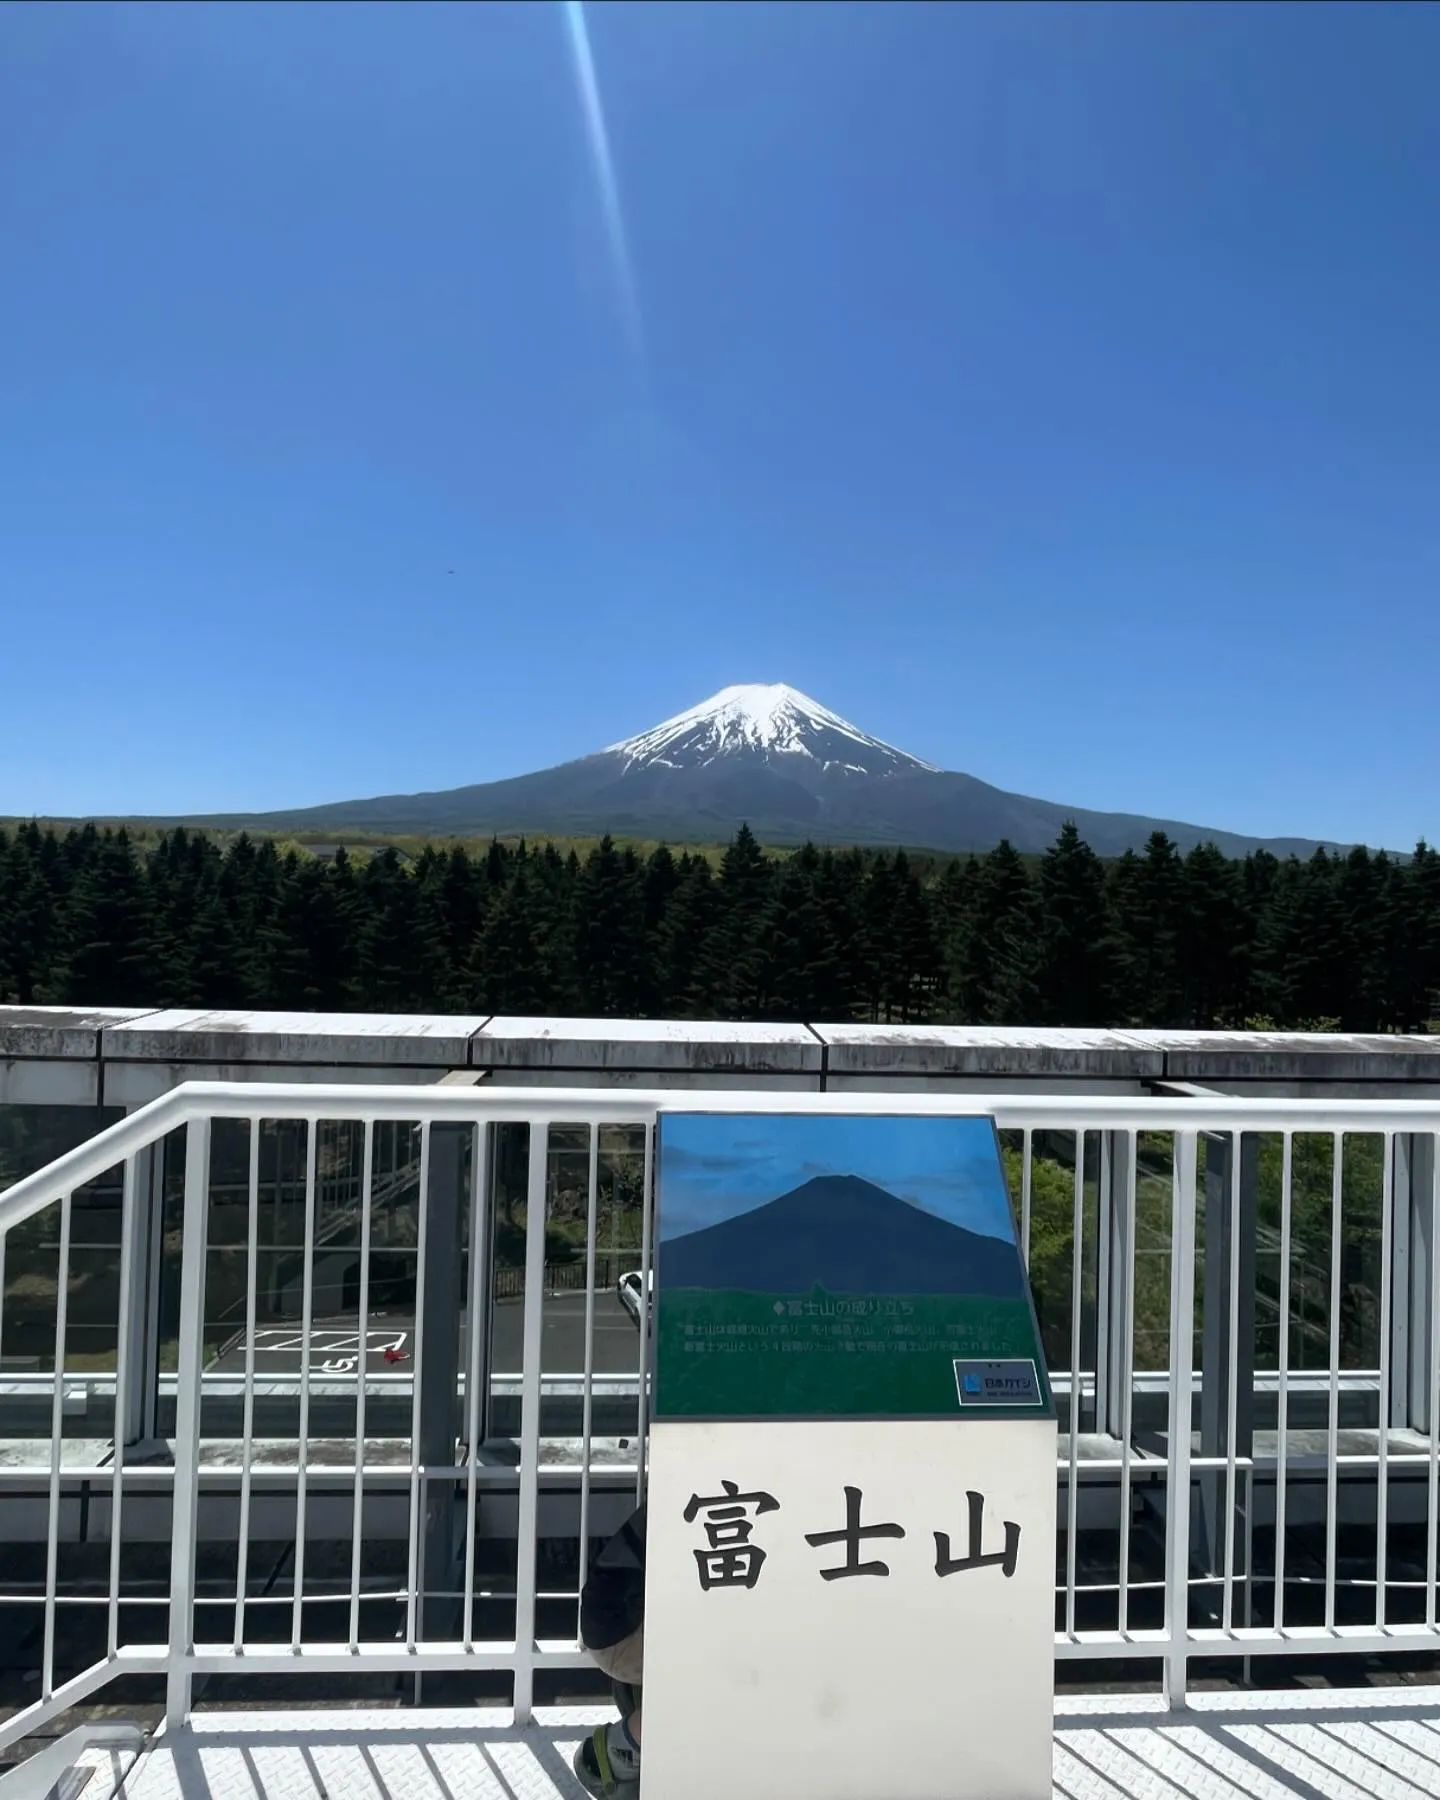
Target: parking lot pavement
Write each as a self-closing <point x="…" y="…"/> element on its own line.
<point x="389" y="1346"/>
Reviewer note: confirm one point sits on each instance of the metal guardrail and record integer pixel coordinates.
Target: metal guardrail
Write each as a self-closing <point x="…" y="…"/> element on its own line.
<point x="1201" y="1501"/>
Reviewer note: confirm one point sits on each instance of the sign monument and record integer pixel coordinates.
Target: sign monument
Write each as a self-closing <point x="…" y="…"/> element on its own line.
<point x="851" y="1521"/>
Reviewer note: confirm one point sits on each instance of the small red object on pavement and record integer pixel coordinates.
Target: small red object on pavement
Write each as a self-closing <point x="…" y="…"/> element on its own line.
<point x="392" y="1355"/>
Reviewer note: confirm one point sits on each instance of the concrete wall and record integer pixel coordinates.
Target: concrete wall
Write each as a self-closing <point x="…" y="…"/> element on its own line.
<point x="123" y="1057"/>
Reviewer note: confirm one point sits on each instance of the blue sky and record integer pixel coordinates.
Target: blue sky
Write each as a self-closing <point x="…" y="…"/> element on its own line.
<point x="714" y="1167"/>
<point x="1051" y="390"/>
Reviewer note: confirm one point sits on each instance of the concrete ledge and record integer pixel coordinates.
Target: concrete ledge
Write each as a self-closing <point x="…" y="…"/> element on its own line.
<point x="60" y="1031"/>
<point x="321" y="1039"/>
<point x="118" y="1055"/>
<point x="1226" y="1056"/>
<point x="647" y="1046"/>
<point x="971" y="1050"/>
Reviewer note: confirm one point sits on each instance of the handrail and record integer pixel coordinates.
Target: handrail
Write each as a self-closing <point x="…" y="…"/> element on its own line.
<point x="582" y="1105"/>
<point x="43" y="1774"/>
<point x="1012" y="1112"/>
<point x="87" y="1162"/>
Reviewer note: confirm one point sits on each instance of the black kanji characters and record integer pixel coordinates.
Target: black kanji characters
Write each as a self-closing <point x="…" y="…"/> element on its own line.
<point x="731" y="1559"/>
<point x="1004" y="1560"/>
<point x="853" y="1535"/>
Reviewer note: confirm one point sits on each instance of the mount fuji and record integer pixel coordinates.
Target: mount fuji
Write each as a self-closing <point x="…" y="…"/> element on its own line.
<point x="766" y="756"/>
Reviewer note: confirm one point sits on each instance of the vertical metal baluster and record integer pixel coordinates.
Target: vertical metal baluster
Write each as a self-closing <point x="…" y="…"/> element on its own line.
<point x="247" y="1428"/>
<point x="129" y="1200"/>
<point x="57" y="1424"/>
<point x="1433" y="1472"/>
<point x="4" y="1242"/>
<point x="191" y="1363"/>
<point x="647" y="1257"/>
<point x="475" y="1373"/>
<point x="592" y="1209"/>
<point x="530" y="1393"/>
<point x="1127" y="1363"/>
<point x="307" y="1319"/>
<point x="362" y="1383"/>
<point x="1072" y="1490"/>
<point x="1182" y="1395"/>
<point x="1232" y="1395"/>
<point x="1332" y="1433"/>
<point x="1282" y="1461"/>
<point x="1382" y="1474"/>
<point x="416" y="1373"/>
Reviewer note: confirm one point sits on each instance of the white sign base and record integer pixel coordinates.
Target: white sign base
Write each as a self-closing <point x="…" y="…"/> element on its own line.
<point x="764" y="1679"/>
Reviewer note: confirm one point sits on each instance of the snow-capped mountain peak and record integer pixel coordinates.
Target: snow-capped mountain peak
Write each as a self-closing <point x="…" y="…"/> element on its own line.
<point x="768" y="721"/>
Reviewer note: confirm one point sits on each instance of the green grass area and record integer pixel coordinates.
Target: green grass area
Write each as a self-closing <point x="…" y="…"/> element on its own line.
<point x="729" y="1354"/>
<point x="361" y="845"/>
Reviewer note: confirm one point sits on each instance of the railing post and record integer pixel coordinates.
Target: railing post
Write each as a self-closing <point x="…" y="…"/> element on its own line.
<point x="1182" y="1372"/>
<point x="437" y="1369"/>
<point x="1113" y="1283"/>
<point x="143" y="1229"/>
<point x="1414" y="1310"/>
<point x="187" y="1423"/>
<point x="1227" y="1386"/>
<point x="527" y="1526"/>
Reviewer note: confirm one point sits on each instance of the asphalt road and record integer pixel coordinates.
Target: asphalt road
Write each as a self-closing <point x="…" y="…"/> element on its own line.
<point x="390" y="1342"/>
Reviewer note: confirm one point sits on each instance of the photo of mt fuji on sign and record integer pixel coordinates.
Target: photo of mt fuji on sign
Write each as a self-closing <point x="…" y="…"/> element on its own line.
<point x="887" y="1259"/>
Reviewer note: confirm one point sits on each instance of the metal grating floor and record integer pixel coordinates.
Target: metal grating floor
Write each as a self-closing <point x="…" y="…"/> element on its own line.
<point x="1375" y="1745"/>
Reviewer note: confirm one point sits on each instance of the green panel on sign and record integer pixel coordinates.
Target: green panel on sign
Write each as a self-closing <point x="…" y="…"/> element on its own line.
<point x="839" y="1267"/>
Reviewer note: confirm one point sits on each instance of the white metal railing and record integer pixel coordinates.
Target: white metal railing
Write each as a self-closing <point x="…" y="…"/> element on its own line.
<point x="1120" y="1179"/>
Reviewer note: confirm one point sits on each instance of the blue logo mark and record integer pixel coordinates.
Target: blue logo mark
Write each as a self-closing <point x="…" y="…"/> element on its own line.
<point x="973" y="1384"/>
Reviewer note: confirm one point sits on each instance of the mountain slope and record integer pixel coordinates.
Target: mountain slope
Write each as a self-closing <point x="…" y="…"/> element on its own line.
<point x="767" y="756"/>
<point x="845" y="1235"/>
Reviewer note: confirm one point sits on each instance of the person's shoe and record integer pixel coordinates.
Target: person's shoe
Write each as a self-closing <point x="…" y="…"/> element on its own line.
<point x="608" y="1762"/>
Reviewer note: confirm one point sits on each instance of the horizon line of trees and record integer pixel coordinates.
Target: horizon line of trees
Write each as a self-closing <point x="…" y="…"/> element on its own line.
<point x="1152" y="938"/>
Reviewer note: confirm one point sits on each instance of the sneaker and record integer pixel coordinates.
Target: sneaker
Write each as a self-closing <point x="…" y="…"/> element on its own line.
<point x="607" y="1763"/>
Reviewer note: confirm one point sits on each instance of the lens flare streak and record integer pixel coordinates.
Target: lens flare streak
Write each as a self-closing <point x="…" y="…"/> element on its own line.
<point x="604" y="162"/>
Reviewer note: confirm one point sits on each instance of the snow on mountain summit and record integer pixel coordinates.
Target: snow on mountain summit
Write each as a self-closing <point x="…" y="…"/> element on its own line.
<point x="768" y="721"/>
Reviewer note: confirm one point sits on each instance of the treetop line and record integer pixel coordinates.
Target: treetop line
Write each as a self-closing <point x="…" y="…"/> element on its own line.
<point x="1154" y="938"/>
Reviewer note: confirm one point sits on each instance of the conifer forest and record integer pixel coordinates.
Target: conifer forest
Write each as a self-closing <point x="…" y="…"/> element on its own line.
<point x="93" y="916"/>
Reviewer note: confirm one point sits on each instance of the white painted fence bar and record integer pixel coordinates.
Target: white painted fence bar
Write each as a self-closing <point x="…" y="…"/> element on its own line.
<point x="1167" y="1598"/>
<point x="1433" y="1510"/>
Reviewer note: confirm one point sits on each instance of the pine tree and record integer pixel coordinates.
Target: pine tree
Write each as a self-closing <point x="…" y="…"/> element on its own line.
<point x="509" y="967"/>
<point x="609" y="934"/>
<point x="956" y="923"/>
<point x="399" y="958"/>
<point x="879" y="953"/>
<point x="803" y="955"/>
<point x="841" y="883"/>
<point x="916" y="962"/>
<point x="462" y="909"/>
<point x="1255" y="974"/>
<point x="691" y="976"/>
<point x="111" y="928"/>
<point x="1361" y="900"/>
<point x="28" y="923"/>
<point x="1211" y="985"/>
<point x="1146" y="903"/>
<point x="1074" y="977"/>
<point x="660" y="882"/>
<point x="1319" y="977"/>
<point x="735" y="962"/>
<point x="999" y="958"/>
<point x="1419" y="978"/>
